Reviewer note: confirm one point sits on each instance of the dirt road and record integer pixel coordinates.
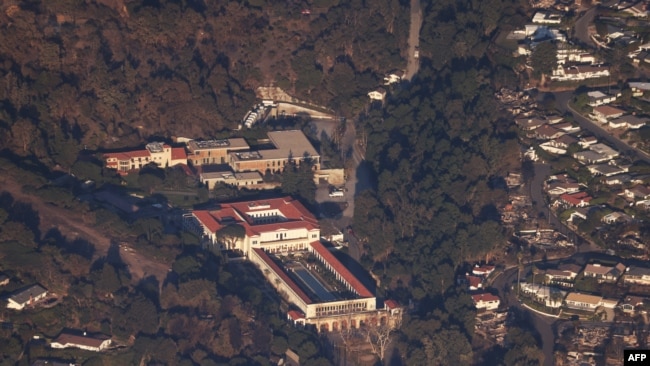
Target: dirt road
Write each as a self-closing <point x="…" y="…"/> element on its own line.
<point x="72" y="226"/>
<point x="413" y="63"/>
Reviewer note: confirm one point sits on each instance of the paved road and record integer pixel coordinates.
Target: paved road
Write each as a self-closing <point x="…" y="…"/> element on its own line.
<point x="543" y="324"/>
<point x="562" y="100"/>
<point x="413" y="64"/>
<point x="580" y="29"/>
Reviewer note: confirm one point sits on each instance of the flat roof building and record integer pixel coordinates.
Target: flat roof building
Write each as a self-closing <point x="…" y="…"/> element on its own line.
<point x="290" y="146"/>
<point x="204" y="152"/>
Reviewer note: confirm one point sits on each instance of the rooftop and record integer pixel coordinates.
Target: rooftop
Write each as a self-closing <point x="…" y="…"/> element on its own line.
<point x="233" y="143"/>
<point x="83" y="339"/>
<point x="345" y="273"/>
<point x="24" y="295"/>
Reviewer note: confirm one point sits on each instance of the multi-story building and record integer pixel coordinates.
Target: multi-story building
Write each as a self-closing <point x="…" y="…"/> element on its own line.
<point x="159" y="153"/>
<point x="290" y="146"/>
<point x="281" y="237"/>
<point x="209" y="152"/>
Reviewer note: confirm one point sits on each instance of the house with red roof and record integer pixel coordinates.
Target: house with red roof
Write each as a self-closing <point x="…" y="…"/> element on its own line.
<point x="580" y="199"/>
<point x="486" y="301"/>
<point x="158" y="153"/>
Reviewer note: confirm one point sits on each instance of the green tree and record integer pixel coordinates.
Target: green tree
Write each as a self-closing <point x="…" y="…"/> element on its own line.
<point x="544" y="58"/>
<point x="230" y="235"/>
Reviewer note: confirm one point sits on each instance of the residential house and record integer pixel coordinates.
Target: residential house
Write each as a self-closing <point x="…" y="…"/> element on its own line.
<point x="616" y="217"/>
<point x="605" y="113"/>
<point x="486" y="301"/>
<point x="559" y="188"/>
<point x="617" y="123"/>
<point x="604" y="150"/>
<point x="377" y="94"/>
<point x="604" y="273"/>
<point x="549" y="296"/>
<point x="578" y="213"/>
<point x="630" y="304"/>
<point x="547" y="132"/>
<point x="635" y="275"/>
<point x="483" y="270"/>
<point x="473" y="282"/>
<point x="638" y="88"/>
<point x="567" y="127"/>
<point x="637" y="193"/>
<point x="606" y="170"/>
<point x="26" y="296"/>
<point x="529" y="124"/>
<point x="580" y="301"/>
<point x="563" y="276"/>
<point x="633" y="122"/>
<point x="617" y="179"/>
<point x="559" y="145"/>
<point x="587" y="141"/>
<point x="598" y="98"/>
<point x="553" y="119"/>
<point x="590" y="157"/>
<point x="393" y="77"/>
<point x="582" y="72"/>
<point x="580" y="199"/>
<point x="82" y="340"/>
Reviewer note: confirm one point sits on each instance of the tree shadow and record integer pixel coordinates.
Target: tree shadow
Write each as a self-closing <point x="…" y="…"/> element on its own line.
<point x="149" y="287"/>
<point x="78" y="246"/>
<point x="25" y="213"/>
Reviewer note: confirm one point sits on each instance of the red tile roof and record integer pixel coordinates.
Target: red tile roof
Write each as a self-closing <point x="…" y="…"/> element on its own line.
<point x="474" y="281"/>
<point x="296" y="315"/>
<point x="283" y="276"/>
<point x="296" y="214"/>
<point x="576" y="198"/>
<point x="391" y="304"/>
<point x="607" y="110"/>
<point x="208" y="220"/>
<point x="128" y="155"/>
<point x="360" y="289"/>
<point x="178" y="153"/>
<point x="484" y="297"/>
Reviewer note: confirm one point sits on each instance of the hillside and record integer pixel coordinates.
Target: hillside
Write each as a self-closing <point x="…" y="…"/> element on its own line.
<point x="108" y="73"/>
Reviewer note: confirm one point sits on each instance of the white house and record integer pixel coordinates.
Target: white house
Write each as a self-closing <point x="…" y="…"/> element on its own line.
<point x="547" y="18"/>
<point x="393" y="77"/>
<point x="377" y="94"/>
<point x="486" y="301"/>
<point x="605" y="113"/>
<point x="579" y="301"/>
<point x="598" y="98"/>
<point x="84" y="341"/>
<point x="27" y="296"/>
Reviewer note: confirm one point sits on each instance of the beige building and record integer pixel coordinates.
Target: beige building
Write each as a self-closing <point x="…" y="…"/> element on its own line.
<point x="290" y="145"/>
<point x="205" y="152"/>
<point x="278" y="233"/>
<point x="239" y="180"/>
<point x="83" y="341"/>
